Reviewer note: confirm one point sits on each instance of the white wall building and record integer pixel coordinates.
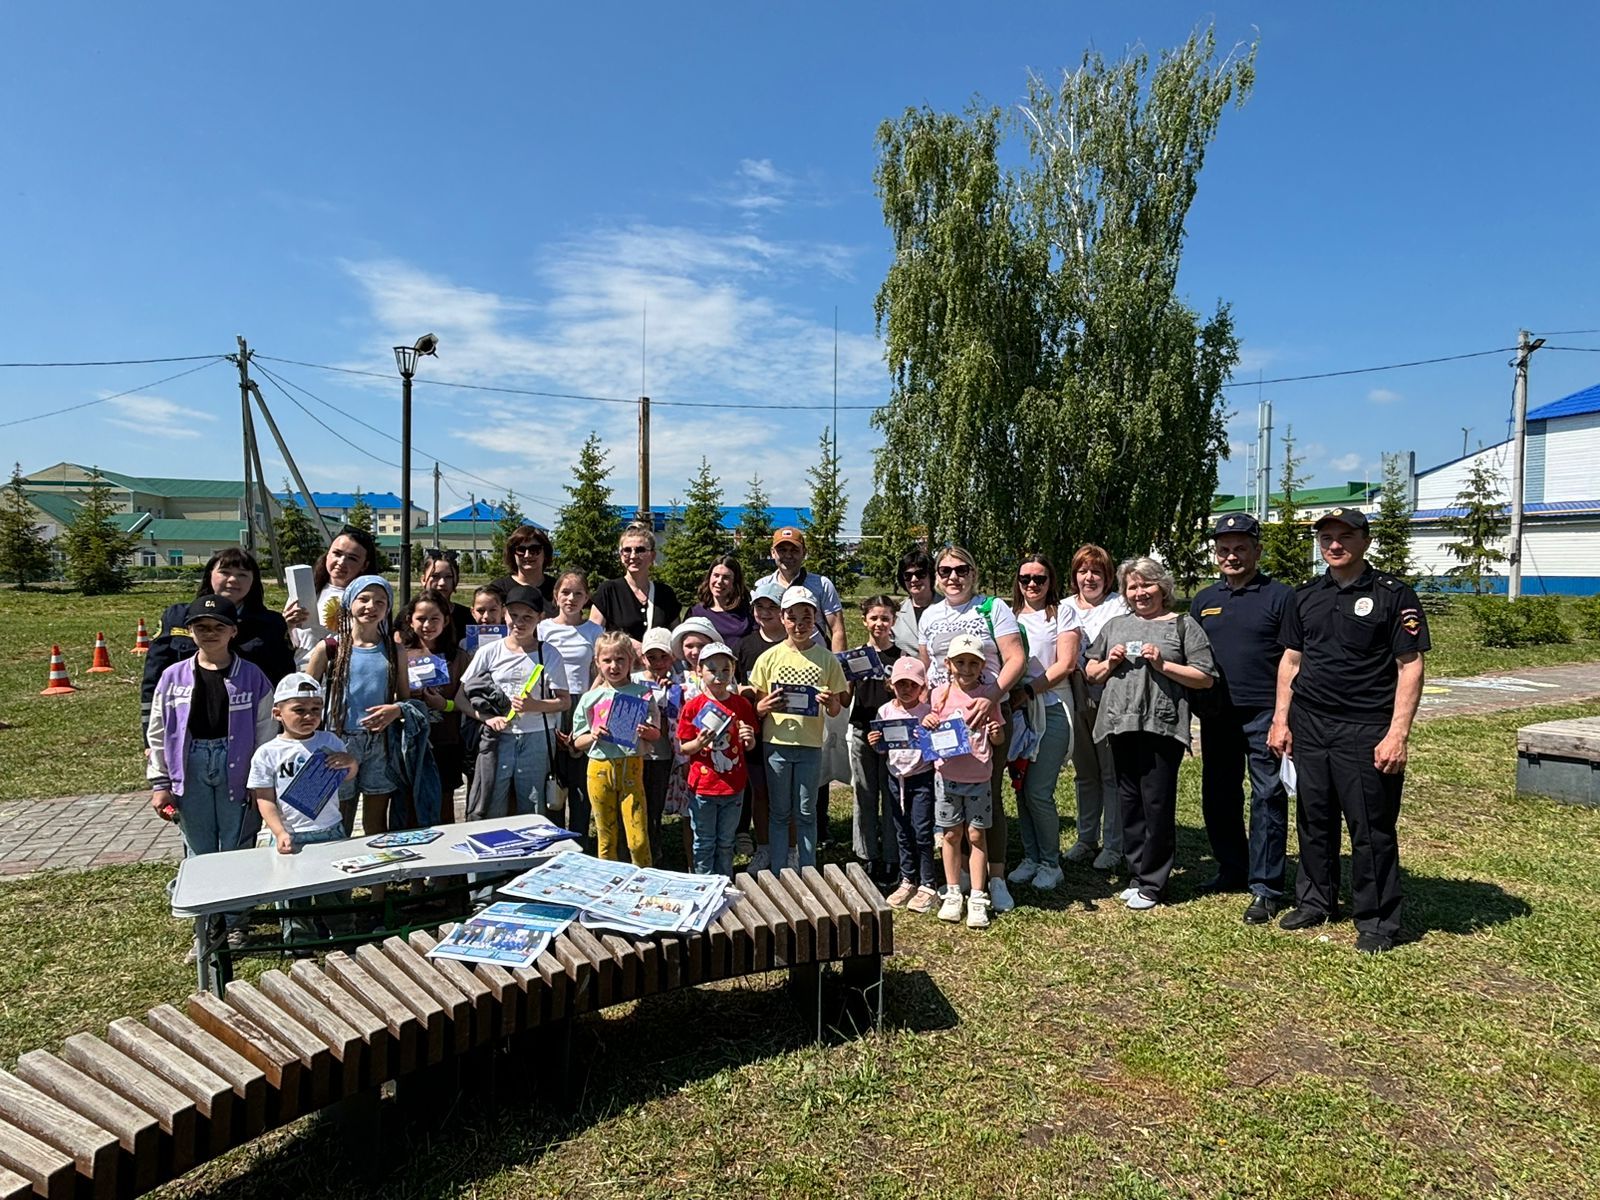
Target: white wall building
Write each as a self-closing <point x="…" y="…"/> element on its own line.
<point x="1561" y="500"/>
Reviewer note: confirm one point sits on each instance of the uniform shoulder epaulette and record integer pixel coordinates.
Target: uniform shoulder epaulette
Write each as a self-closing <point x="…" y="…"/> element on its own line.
<point x="1310" y="583"/>
<point x="1389" y="581"/>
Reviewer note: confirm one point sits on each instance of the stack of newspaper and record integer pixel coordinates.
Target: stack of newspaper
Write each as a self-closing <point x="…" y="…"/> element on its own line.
<point x="624" y="898"/>
<point x="513" y="843"/>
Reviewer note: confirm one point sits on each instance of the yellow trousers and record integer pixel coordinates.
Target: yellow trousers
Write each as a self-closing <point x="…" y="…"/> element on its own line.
<point x="616" y="794"/>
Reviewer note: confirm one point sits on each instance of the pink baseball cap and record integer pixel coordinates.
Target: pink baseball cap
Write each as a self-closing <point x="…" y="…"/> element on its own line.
<point x="908" y="666"/>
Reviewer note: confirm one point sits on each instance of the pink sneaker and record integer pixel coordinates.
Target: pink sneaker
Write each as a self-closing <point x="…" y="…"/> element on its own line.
<point x="902" y="894"/>
<point x="923" y="901"/>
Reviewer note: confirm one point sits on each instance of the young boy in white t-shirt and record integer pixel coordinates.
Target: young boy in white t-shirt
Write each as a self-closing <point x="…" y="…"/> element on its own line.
<point x="297" y="704"/>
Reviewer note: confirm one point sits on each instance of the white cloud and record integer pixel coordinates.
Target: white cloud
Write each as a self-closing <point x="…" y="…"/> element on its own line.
<point x="1384" y="396"/>
<point x="157" y="417"/>
<point x="1346" y="462"/>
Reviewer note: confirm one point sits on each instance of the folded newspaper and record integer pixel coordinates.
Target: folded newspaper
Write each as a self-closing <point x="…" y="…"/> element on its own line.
<point x="624" y="898"/>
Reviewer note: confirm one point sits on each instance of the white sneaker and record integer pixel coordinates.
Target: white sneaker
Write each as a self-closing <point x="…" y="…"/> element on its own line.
<point x="1048" y="878"/>
<point x="1025" y="870"/>
<point x="950" y="907"/>
<point x="978" y="911"/>
<point x="761" y="860"/>
<point x="999" y="896"/>
<point x="1127" y="893"/>
<point x="1139" y="902"/>
<point x="794" y="858"/>
<point x="1107" y="860"/>
<point x="1080" y="852"/>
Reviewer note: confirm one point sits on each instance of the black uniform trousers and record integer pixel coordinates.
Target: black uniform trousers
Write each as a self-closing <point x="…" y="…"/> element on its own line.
<point x="1333" y="763"/>
<point x="1233" y="742"/>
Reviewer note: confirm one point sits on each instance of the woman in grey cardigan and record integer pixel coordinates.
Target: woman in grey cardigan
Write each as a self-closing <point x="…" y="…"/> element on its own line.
<point x="1148" y="659"/>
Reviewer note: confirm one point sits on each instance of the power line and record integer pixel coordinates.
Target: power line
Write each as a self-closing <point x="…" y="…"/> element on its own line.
<point x="325" y="425"/>
<point x="116" y="362"/>
<point x="1574" y="349"/>
<point x="1420" y="362"/>
<point x="1567" y="332"/>
<point x="143" y="387"/>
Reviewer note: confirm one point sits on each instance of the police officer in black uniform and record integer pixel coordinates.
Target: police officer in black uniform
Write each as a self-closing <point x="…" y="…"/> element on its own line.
<point x="1243" y="615"/>
<point x="1348" y="689"/>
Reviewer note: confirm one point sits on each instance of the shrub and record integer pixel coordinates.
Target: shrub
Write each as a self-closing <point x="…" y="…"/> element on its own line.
<point x="1527" y="621"/>
<point x="1437" y="604"/>
<point x="1589" y="616"/>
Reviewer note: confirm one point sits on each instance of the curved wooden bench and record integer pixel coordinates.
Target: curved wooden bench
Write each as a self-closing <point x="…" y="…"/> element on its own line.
<point x="119" y="1115"/>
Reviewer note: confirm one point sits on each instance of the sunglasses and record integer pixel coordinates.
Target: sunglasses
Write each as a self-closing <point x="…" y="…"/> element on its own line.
<point x="908" y="576"/>
<point x="1033" y="580"/>
<point x="630" y="551"/>
<point x="449" y="556"/>
<point x="959" y="571"/>
<point x="521" y="550"/>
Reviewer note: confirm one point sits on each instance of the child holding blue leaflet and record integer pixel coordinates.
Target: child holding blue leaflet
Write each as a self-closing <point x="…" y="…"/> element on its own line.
<point x="963" y="800"/>
<point x="616" y="771"/>
<point x="911" y="788"/>
<point x="717" y="770"/>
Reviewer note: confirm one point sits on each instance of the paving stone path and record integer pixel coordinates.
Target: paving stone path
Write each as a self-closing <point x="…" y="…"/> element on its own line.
<point x="104" y="829"/>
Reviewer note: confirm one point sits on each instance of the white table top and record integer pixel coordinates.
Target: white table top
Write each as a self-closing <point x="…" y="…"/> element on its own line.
<point x="238" y="879"/>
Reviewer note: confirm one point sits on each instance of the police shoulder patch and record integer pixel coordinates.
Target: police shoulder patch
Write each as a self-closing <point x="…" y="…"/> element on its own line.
<point x="1210" y="612"/>
<point x="179" y="631"/>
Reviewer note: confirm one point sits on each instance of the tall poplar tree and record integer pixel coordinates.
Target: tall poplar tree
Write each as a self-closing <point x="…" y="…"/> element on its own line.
<point x="587" y="525"/>
<point x="1048" y="382"/>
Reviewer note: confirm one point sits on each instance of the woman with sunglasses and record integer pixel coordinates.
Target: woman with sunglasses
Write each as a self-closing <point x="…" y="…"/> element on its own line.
<point x="527" y="556"/>
<point x="635" y="602"/>
<point x="1095" y="601"/>
<point x="916" y="576"/>
<point x="352" y="554"/>
<point x="1053" y="636"/>
<point x="441" y="573"/>
<point x="964" y="610"/>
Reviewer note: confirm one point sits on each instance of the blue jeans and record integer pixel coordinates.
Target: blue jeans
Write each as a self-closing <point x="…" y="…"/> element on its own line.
<point x="301" y="927"/>
<point x="519" y="774"/>
<point x="715" y="822"/>
<point x="1036" y="808"/>
<point x="1233" y="743"/>
<point x="913" y="827"/>
<point x="792" y="792"/>
<point x="209" y="817"/>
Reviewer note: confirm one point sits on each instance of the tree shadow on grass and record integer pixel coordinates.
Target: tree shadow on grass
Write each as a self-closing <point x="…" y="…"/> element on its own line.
<point x="1434" y="904"/>
<point x="621" y="1060"/>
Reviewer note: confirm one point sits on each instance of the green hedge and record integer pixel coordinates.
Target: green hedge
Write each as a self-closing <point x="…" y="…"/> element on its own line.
<point x="1527" y="621"/>
<point x="1589" y="616"/>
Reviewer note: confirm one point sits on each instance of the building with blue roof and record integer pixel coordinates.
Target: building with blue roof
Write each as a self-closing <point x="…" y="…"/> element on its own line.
<point x="1560" y="497"/>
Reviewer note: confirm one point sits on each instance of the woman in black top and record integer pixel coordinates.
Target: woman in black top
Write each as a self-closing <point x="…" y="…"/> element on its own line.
<point x="528" y="553"/>
<point x="635" y="602"/>
<point x="263" y="636"/>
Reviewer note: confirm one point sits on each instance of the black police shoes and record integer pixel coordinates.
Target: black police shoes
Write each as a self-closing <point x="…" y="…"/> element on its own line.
<point x="1303" y="918"/>
<point x="1262" y="909"/>
<point x="1373" y="943"/>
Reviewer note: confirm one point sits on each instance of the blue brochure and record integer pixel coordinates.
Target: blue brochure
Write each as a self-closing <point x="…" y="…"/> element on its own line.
<point x="861" y="663"/>
<point x="902" y="733"/>
<point x="713" y="718"/>
<point x="482" y="635"/>
<point x="799" y="700"/>
<point x="951" y="738"/>
<point x="428" y="671"/>
<point x="313" y="786"/>
<point x="620" y="723"/>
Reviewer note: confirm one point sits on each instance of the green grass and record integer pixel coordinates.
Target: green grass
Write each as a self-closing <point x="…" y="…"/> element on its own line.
<point x="1072" y="1049"/>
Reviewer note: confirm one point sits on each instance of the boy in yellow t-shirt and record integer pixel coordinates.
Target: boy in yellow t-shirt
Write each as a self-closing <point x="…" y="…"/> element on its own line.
<point x="792" y="685"/>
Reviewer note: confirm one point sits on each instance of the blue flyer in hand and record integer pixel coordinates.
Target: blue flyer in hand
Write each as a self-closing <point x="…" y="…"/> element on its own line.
<point x="313" y="786"/>
<point x="799" y="699"/>
<point x="901" y="733"/>
<point x="482" y="635"/>
<point x="951" y="738"/>
<point x="714" y="719"/>
<point x="622" y="720"/>
<point x="428" y="671"/>
<point x="863" y="662"/>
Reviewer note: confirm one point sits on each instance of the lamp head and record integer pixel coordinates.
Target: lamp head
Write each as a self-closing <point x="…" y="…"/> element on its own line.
<point x="428" y="343"/>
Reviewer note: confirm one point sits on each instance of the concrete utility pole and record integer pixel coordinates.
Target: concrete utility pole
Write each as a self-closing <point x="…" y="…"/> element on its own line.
<point x="294" y="469"/>
<point x="644" y="459"/>
<point x="1264" y="458"/>
<point x="472" y="503"/>
<point x="254" y="449"/>
<point x="438" y="538"/>
<point x="244" y="433"/>
<point x="1519" y="449"/>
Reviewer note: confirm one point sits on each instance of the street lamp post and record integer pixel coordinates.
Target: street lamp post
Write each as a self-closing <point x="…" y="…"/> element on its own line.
<point x="405" y="358"/>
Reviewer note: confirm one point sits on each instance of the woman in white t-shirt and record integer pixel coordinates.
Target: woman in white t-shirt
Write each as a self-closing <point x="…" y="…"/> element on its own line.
<point x="1095" y="603"/>
<point x="352" y="554"/>
<point x="572" y="634"/>
<point x="963" y="610"/>
<point x="1052" y="635"/>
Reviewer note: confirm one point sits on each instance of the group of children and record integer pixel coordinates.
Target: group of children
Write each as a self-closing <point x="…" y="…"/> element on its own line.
<point x="715" y="733"/>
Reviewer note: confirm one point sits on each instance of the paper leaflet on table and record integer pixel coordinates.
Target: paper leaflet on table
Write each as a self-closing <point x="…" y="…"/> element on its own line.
<point x="378" y="858"/>
<point x="313" y="785"/>
<point x="405" y="837"/>
<point x="620" y="896"/>
<point x="505" y="934"/>
<point x="514" y="843"/>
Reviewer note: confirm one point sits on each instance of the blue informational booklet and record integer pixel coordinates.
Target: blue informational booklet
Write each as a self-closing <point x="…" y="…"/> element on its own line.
<point x="622" y="720"/>
<point x="951" y="738"/>
<point x="497" y="841"/>
<point x="902" y="733"/>
<point x="313" y="785"/>
<point x="799" y="699"/>
<point x="405" y="837"/>
<point x="482" y="635"/>
<point x="863" y="662"/>
<point x="713" y="718"/>
<point x="428" y="671"/>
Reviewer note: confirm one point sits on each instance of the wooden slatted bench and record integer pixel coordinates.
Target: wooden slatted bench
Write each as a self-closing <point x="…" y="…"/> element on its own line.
<point x="119" y="1115"/>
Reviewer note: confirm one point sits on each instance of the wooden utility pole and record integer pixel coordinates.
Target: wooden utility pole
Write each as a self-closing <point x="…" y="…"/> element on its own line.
<point x="472" y="503"/>
<point x="644" y="458"/>
<point x="294" y="469"/>
<point x="1519" y="449"/>
<point x="244" y="434"/>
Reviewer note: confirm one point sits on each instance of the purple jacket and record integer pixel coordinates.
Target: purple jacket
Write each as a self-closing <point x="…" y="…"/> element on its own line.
<point x="250" y="723"/>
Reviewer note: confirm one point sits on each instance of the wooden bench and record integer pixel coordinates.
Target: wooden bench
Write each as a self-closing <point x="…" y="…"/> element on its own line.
<point x="118" y="1115"/>
<point x="1560" y="760"/>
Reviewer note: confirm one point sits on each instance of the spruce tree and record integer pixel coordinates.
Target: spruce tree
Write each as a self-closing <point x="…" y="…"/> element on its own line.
<point x="298" y="540"/>
<point x="510" y="520"/>
<point x="1482" y="522"/>
<point x="1391" y="527"/>
<point x="96" y="547"/>
<point x="24" y="551"/>
<point x="361" y="515"/>
<point x="754" y="533"/>
<point x="698" y="538"/>
<point x="1286" y="542"/>
<point x="825" y="551"/>
<point x="588" y="524"/>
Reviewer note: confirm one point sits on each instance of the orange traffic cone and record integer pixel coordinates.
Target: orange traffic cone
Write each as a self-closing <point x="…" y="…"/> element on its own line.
<point x="102" y="656"/>
<point x="58" y="684"/>
<point x="141" y="639"/>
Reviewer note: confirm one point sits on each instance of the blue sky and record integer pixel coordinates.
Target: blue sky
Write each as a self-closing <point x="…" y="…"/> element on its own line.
<point x="1406" y="181"/>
